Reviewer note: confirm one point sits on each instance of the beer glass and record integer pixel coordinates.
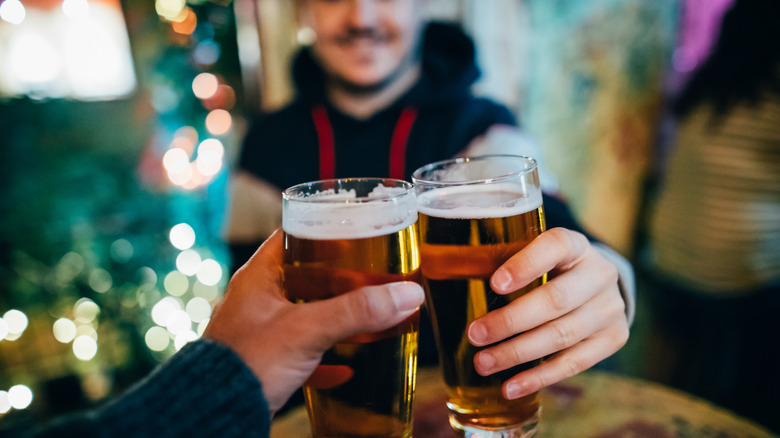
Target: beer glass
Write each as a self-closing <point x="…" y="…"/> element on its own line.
<point x="340" y="235"/>
<point x="475" y="213"/>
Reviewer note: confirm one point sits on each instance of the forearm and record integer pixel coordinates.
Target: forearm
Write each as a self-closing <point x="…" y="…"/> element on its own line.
<point x="205" y="390"/>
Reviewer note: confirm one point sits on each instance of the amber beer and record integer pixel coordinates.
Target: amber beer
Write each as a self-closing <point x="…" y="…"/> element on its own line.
<point x="468" y="228"/>
<point x="338" y="236"/>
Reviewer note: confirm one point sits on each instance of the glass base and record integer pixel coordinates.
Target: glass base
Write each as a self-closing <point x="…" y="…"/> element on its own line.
<point x="526" y="429"/>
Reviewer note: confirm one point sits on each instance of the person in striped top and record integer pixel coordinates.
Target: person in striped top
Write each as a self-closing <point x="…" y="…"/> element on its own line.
<point x="714" y="227"/>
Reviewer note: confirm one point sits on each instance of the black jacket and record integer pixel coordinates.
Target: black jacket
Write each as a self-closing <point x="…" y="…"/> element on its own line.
<point x="282" y="147"/>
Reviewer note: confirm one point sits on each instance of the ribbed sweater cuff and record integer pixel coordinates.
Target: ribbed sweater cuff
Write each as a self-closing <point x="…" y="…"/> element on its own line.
<point x="205" y="390"/>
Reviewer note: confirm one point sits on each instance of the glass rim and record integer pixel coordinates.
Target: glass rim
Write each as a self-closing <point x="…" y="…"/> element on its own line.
<point x="457" y="160"/>
<point x="287" y="194"/>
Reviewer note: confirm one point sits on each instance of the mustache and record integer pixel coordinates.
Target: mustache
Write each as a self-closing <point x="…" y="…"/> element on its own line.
<point x="369" y="34"/>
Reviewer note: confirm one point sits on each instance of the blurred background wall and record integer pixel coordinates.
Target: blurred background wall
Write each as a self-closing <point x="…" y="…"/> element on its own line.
<point x="119" y="123"/>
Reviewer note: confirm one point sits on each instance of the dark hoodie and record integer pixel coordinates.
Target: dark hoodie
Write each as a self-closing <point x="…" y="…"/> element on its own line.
<point x="283" y="147"/>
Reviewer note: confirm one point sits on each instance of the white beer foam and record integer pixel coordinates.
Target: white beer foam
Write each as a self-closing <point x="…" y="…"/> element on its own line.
<point x="329" y="215"/>
<point x="478" y="201"/>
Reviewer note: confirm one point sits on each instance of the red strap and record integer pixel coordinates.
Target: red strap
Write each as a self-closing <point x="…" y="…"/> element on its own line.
<point x="399" y="142"/>
<point x="327" y="146"/>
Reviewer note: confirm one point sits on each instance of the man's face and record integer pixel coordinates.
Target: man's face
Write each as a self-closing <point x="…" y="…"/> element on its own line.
<point x="363" y="44"/>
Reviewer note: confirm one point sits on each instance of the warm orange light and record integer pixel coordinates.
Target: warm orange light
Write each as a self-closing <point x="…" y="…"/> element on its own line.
<point x="187" y="25"/>
<point x="218" y="122"/>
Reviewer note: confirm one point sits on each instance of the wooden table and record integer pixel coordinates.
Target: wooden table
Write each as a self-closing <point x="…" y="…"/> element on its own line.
<point x="593" y="404"/>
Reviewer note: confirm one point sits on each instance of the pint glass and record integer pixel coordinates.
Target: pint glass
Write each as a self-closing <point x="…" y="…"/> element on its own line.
<point x="475" y="213"/>
<point x="340" y="235"/>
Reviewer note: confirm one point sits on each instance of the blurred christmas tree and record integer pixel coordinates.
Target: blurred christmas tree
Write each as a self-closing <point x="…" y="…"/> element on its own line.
<point x="110" y="249"/>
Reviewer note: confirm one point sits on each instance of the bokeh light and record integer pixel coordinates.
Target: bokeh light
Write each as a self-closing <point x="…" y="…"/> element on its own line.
<point x="85" y="347"/>
<point x="20" y="396"/>
<point x="163" y="309"/>
<point x="12" y="11"/>
<point x="157" y="338"/>
<point x="207" y="292"/>
<point x="169" y="9"/>
<point x="182" y="236"/>
<point x="3" y="329"/>
<point x="210" y="272"/>
<point x="188" y="262"/>
<point x="178" y="321"/>
<point x="64" y="330"/>
<point x="205" y="85"/>
<point x="121" y="251"/>
<point x="16" y="321"/>
<point x="218" y="122"/>
<point x="100" y="280"/>
<point x="184" y="338"/>
<point x="207" y="52"/>
<point x="176" y="283"/>
<point x="176" y="161"/>
<point x="198" y="309"/>
<point x="39" y="69"/>
<point x="69" y="267"/>
<point x="185" y="138"/>
<point x="210" y="154"/>
<point x="85" y="310"/>
<point x="86" y="330"/>
<point x="187" y="24"/>
<point x="5" y="403"/>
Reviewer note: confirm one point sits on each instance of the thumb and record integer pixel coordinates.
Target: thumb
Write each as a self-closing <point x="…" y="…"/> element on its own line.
<point x="368" y="309"/>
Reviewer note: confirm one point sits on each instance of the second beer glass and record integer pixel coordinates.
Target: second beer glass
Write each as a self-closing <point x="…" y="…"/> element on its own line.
<point x="340" y="235"/>
<point x="475" y="213"/>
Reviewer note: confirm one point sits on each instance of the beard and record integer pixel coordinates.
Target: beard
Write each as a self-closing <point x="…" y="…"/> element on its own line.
<point x="410" y="59"/>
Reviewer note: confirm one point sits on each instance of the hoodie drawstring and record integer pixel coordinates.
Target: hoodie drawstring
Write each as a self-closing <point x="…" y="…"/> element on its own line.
<point x="327" y="143"/>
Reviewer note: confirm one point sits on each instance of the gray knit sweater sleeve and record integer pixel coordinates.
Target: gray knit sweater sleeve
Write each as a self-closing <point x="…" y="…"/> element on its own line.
<point x="205" y="390"/>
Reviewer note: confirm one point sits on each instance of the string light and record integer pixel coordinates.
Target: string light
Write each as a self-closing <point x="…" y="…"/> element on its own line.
<point x="182" y="236"/>
<point x="205" y="85"/>
<point x="64" y="330"/>
<point x="157" y="338"/>
<point x="188" y="262"/>
<point x="20" y="396"/>
<point x="85" y="347"/>
<point x="198" y="309"/>
<point x="5" y="403"/>
<point x="163" y="309"/>
<point x="16" y="323"/>
<point x="12" y="11"/>
<point x="209" y="272"/>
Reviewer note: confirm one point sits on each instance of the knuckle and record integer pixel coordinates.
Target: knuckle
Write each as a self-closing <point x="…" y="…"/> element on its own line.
<point x="557" y="296"/>
<point x="512" y="356"/>
<point x="621" y="336"/>
<point x="571" y="366"/>
<point x="510" y="323"/>
<point x="542" y="381"/>
<point x="569" y="239"/>
<point x="562" y="334"/>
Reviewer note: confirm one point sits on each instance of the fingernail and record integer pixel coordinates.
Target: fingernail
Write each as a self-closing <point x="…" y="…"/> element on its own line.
<point x="502" y="279"/>
<point x="512" y="390"/>
<point x="485" y="362"/>
<point x="406" y="295"/>
<point x="477" y="333"/>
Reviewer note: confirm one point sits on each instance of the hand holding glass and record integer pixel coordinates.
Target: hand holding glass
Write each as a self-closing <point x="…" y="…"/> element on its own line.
<point x="475" y="213"/>
<point x="340" y="235"/>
